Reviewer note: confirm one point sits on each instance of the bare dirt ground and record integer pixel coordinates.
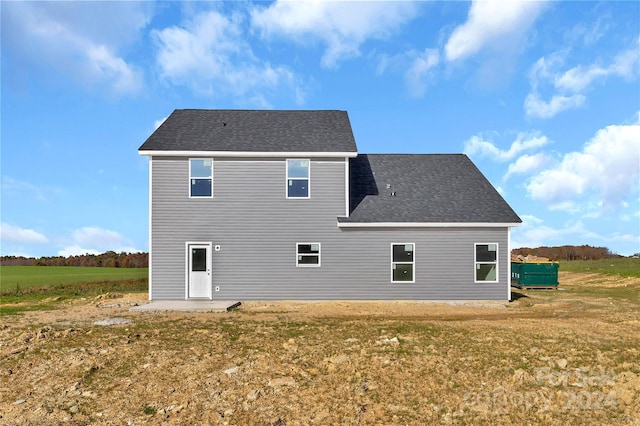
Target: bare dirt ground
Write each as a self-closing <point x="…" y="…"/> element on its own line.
<point x="560" y="357"/>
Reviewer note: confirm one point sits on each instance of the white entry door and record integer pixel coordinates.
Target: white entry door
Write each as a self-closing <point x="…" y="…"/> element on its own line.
<point x="199" y="272"/>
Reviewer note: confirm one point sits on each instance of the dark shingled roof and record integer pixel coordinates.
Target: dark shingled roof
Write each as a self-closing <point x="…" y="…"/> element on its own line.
<point x="253" y="131"/>
<point x="428" y="188"/>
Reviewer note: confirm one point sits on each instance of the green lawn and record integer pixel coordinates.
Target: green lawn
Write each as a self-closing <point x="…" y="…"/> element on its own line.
<point x="25" y="288"/>
<point x="624" y="266"/>
<point x="39" y="276"/>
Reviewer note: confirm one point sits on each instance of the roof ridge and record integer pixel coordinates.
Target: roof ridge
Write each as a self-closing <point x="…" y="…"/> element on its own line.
<point x="415" y="153"/>
<point x="258" y="110"/>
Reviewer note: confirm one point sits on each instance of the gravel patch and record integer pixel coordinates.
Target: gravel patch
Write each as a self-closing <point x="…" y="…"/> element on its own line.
<point x="112" y="321"/>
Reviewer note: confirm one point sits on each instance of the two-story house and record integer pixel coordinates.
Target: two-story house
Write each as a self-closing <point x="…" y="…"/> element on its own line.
<point x="258" y="205"/>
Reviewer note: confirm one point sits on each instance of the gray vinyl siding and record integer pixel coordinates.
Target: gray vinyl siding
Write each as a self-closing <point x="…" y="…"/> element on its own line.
<point x="257" y="229"/>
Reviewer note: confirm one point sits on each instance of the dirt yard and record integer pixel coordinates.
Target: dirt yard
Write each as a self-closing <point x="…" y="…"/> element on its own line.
<point x="570" y="356"/>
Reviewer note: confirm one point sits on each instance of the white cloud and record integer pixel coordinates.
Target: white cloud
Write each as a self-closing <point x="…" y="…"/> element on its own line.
<point x="209" y="55"/>
<point x="627" y="64"/>
<point x="342" y="26"/>
<point x="76" y="251"/>
<point x="418" y="73"/>
<point x="542" y="72"/>
<point x="527" y="164"/>
<point x="106" y="66"/>
<point x="95" y="240"/>
<point x="492" y="23"/>
<point x="94" y="236"/>
<point x="603" y="174"/>
<point x="534" y="106"/>
<point x="534" y="233"/>
<point x="16" y="234"/>
<point x="13" y="187"/>
<point x="416" y="67"/>
<point x="558" y="188"/>
<point x="587" y="36"/>
<point x="578" y="78"/>
<point x="544" y="69"/>
<point x="158" y="123"/>
<point x="79" y="40"/>
<point x="567" y="86"/>
<point x="476" y="145"/>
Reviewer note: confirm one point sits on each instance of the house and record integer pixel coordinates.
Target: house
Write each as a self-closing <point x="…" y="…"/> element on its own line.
<point x="279" y="205"/>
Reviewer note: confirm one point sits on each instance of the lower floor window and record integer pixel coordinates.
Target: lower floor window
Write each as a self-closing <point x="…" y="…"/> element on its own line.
<point x="308" y="254"/>
<point x="402" y="262"/>
<point x="486" y="262"/>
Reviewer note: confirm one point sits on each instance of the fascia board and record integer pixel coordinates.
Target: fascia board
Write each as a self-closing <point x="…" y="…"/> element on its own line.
<point x="154" y="153"/>
<point x="426" y="224"/>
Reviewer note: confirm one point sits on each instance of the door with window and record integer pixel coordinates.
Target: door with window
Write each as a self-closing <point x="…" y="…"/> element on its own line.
<point x="199" y="270"/>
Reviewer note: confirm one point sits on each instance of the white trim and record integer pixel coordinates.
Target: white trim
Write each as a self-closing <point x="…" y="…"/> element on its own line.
<point x="150" y="263"/>
<point x="347" y="193"/>
<point x="245" y="154"/>
<point x="305" y="265"/>
<point x="425" y="225"/>
<point x="227" y="161"/>
<point x="476" y="262"/>
<point x="286" y="181"/>
<point x="412" y="263"/>
<point x="272" y="161"/>
<point x="187" y="268"/>
<point x="509" y="264"/>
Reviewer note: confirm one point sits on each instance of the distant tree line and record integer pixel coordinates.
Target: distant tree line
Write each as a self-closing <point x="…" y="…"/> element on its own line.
<point x="109" y="259"/>
<point x="584" y="252"/>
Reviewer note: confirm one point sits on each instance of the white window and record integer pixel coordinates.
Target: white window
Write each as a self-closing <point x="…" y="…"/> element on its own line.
<point x="486" y="263"/>
<point x="297" y="178"/>
<point x="402" y="263"/>
<point x="201" y="177"/>
<point x="307" y="254"/>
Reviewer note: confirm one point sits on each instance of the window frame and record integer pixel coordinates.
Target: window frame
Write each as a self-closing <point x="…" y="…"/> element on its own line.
<point x="477" y="263"/>
<point x="412" y="263"/>
<point x="308" y="265"/>
<point x="200" y="177"/>
<point x="287" y="178"/>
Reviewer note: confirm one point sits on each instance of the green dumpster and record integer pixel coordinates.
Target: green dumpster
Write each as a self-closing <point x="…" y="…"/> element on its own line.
<point x="534" y="275"/>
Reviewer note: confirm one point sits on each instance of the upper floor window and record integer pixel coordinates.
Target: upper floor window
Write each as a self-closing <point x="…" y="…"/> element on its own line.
<point x="486" y="263"/>
<point x="402" y="262"/>
<point x="201" y="177"/>
<point x="297" y="178"/>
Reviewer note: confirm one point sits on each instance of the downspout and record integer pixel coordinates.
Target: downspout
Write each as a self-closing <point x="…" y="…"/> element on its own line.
<point x="347" y="194"/>
<point x="509" y="263"/>
<point x="150" y="263"/>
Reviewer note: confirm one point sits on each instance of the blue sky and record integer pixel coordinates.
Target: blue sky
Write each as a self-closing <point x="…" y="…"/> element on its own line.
<point x="543" y="96"/>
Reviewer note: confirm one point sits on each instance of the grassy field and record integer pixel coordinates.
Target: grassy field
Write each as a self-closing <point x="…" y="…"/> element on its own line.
<point x="23" y="288"/>
<point x="624" y="266"/>
<point x="38" y="276"/>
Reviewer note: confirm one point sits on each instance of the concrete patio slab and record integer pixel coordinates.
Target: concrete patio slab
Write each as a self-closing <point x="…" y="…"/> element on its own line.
<point x="187" y="306"/>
